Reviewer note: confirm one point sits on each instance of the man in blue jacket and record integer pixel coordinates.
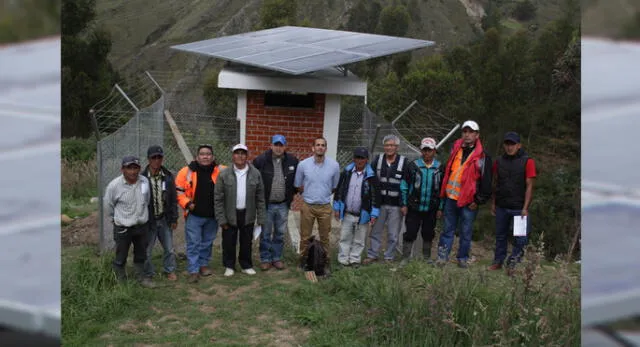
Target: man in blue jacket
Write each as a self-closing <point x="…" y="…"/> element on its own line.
<point x="420" y="192"/>
<point x="356" y="202"/>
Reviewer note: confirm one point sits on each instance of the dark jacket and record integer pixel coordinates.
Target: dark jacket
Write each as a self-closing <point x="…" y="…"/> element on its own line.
<point x="418" y="196"/>
<point x="511" y="181"/>
<point x="264" y="163"/>
<point x="168" y="195"/>
<point x="369" y="195"/>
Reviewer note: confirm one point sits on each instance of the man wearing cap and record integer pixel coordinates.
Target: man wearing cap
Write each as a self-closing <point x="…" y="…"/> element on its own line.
<point x="195" y="187"/>
<point x="466" y="185"/>
<point x="316" y="179"/>
<point x="278" y="170"/>
<point x="421" y="194"/>
<point x="391" y="168"/>
<point x="127" y="200"/>
<point x="163" y="212"/>
<point x="240" y="204"/>
<point x="356" y="203"/>
<point x="514" y="173"/>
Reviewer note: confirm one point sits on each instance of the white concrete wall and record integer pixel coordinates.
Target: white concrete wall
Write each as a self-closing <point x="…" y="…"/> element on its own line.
<point x="331" y="123"/>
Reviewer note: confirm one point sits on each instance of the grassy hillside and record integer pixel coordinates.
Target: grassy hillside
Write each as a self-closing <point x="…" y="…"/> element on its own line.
<point x="607" y="18"/>
<point x="143" y="30"/>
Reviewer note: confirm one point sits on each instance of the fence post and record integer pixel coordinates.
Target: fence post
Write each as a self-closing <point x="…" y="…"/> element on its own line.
<point x="102" y="241"/>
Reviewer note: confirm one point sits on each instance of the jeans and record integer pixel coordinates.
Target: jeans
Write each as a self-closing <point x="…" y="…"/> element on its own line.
<point x="466" y="217"/>
<point x="159" y="229"/>
<point x="392" y="216"/>
<point x="124" y="237"/>
<point x="504" y="220"/>
<point x="352" y="239"/>
<point x="200" y="232"/>
<point x="272" y="237"/>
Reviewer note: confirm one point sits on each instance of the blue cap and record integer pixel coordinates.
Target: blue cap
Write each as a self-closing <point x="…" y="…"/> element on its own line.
<point x="512" y="136"/>
<point x="278" y="139"/>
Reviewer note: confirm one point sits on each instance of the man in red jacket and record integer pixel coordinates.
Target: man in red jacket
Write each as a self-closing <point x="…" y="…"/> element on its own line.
<point x="466" y="185"/>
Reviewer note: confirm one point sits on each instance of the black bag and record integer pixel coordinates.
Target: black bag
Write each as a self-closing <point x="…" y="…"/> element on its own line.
<point x="316" y="258"/>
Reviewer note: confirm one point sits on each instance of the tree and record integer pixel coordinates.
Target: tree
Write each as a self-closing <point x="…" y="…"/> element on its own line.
<point x="277" y="13"/>
<point x="524" y="10"/>
<point x="87" y="75"/>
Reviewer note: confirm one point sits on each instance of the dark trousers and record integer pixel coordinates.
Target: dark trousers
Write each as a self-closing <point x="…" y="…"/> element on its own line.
<point x="415" y="220"/>
<point x="230" y="239"/>
<point x="124" y="237"/>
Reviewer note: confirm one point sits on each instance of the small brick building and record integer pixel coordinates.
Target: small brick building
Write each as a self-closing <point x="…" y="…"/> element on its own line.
<point x="299" y="107"/>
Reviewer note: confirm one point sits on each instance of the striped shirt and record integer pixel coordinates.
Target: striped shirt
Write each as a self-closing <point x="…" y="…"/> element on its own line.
<point x="128" y="204"/>
<point x="278" y="184"/>
<point x="158" y="186"/>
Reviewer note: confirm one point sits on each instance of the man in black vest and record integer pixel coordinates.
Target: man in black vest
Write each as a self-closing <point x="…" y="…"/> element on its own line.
<point x="278" y="169"/>
<point x="391" y="169"/>
<point x="514" y="173"/>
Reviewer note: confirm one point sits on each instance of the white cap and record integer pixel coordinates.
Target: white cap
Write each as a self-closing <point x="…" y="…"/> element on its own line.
<point x="240" y="146"/>
<point x="471" y="124"/>
<point x="428" y="142"/>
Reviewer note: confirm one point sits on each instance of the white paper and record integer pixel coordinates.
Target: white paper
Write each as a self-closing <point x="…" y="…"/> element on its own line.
<point x="256" y="231"/>
<point x="519" y="225"/>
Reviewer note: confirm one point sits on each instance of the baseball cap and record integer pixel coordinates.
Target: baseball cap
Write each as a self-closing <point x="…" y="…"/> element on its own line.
<point x="361" y="152"/>
<point x="471" y="124"/>
<point x="512" y="136"/>
<point x="130" y="159"/>
<point x="428" y="142"/>
<point x="154" y="150"/>
<point x="278" y="138"/>
<point x="240" y="146"/>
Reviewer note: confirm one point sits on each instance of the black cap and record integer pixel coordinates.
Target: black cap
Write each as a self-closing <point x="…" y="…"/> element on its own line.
<point x="155" y="150"/>
<point x="129" y="160"/>
<point x="361" y="152"/>
<point x="512" y="136"/>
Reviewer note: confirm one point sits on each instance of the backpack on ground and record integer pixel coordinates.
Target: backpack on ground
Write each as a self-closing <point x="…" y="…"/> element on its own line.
<point x="315" y="261"/>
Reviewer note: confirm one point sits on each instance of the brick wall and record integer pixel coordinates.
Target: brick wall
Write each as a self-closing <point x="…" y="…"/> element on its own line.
<point x="299" y="126"/>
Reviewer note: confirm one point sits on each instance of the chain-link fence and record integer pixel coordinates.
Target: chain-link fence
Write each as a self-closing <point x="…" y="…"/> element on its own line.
<point x="123" y="129"/>
<point x="178" y="116"/>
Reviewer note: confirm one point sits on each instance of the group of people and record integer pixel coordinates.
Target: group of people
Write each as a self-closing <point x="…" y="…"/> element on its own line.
<point x="246" y="198"/>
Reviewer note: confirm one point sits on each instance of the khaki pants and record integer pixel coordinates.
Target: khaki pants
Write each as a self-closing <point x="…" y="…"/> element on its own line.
<point x="309" y="213"/>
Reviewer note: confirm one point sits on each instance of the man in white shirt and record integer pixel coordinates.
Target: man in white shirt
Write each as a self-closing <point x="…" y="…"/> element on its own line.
<point x="239" y="203"/>
<point x="127" y="200"/>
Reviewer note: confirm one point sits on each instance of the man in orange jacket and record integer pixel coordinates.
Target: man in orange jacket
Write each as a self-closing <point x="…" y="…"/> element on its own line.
<point x="466" y="185"/>
<point x="195" y="186"/>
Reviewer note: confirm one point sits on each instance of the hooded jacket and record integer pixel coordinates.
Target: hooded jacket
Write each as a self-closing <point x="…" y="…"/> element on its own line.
<point x="187" y="180"/>
<point x="369" y="195"/>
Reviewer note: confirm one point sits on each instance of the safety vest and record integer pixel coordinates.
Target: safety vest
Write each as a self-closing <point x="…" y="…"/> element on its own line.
<point x="186" y="182"/>
<point x="390" y="186"/>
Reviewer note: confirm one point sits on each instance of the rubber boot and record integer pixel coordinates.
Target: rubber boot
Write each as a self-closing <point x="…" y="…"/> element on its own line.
<point x="426" y="252"/>
<point x="121" y="273"/>
<point x="406" y="253"/>
<point x="142" y="278"/>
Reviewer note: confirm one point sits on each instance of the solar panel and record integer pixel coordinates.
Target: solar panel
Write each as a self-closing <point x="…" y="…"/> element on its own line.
<point x="610" y="187"/>
<point x="299" y="50"/>
<point x="30" y="185"/>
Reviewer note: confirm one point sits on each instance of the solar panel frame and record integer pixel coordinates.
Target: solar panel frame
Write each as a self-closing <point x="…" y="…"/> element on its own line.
<point x="610" y="195"/>
<point x="299" y="50"/>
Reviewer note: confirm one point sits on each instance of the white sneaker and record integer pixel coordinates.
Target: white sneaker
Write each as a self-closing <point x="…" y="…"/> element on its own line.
<point x="249" y="271"/>
<point x="228" y="272"/>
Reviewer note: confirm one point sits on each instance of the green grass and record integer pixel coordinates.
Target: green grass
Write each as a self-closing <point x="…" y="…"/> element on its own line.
<point x="78" y="207"/>
<point x="370" y="306"/>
